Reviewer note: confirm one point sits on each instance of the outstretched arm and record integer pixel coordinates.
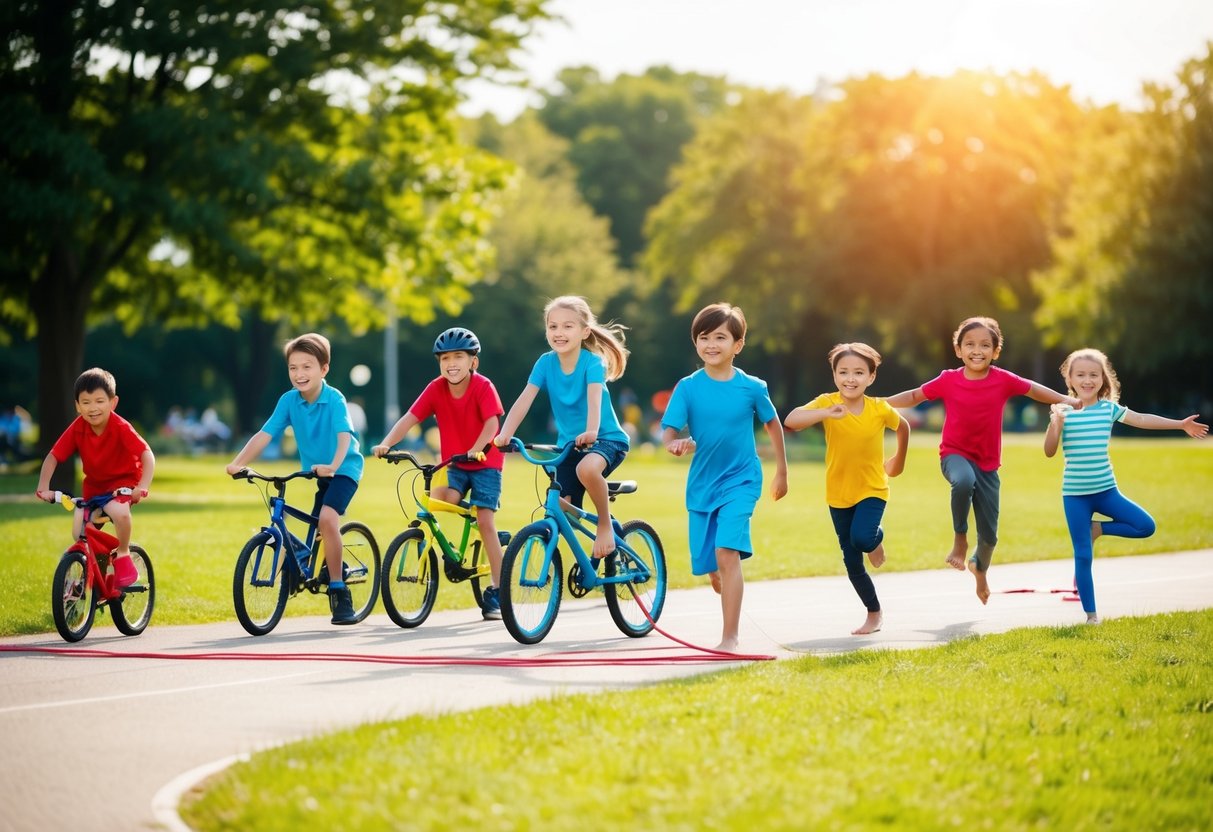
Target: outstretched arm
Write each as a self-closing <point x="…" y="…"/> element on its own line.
<point x="251" y="450"/>
<point x="1047" y="395"/>
<point x="44" y="479"/>
<point x="148" y="461"/>
<point x="907" y="398"/>
<point x="802" y="418"/>
<point x="518" y="412"/>
<point x="779" y="484"/>
<point x="1148" y="421"/>
<point x="399" y="430"/>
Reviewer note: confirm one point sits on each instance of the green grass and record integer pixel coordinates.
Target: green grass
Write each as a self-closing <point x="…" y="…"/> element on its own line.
<point x="1071" y="728"/>
<point x="198" y="519"/>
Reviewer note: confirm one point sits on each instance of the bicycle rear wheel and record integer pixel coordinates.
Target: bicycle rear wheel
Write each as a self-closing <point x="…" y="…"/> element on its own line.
<point x="133" y="610"/>
<point x="360" y="566"/>
<point x="643" y="551"/>
<point x="73" y="602"/>
<point x="410" y="578"/>
<point x="259" y="591"/>
<point x="530" y="589"/>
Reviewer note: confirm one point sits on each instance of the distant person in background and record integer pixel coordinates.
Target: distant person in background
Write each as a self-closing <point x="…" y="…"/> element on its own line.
<point x="12" y="425"/>
<point x="974" y="397"/>
<point x="357" y="417"/>
<point x="1088" y="486"/>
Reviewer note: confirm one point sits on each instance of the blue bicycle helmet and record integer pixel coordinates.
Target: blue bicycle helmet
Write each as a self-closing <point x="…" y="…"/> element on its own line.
<point x="457" y="339"/>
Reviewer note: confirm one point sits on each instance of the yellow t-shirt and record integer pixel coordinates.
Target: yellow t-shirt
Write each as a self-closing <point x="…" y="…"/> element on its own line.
<point x="855" y="450"/>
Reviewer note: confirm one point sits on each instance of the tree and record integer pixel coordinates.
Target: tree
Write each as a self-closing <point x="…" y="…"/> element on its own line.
<point x="126" y="125"/>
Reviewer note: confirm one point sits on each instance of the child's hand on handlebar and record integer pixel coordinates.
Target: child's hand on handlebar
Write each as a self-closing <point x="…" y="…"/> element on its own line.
<point x="501" y="440"/>
<point x="381" y="450"/>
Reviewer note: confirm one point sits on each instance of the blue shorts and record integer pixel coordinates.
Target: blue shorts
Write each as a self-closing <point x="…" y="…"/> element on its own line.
<point x="725" y="527"/>
<point x="481" y="486"/>
<point x="566" y="472"/>
<point x="335" y="492"/>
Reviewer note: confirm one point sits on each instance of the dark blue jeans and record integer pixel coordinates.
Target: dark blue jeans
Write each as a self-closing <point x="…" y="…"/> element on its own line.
<point x="859" y="531"/>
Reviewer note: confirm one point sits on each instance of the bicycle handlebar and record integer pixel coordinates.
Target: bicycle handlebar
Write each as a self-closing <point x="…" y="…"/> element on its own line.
<point x="250" y="474"/>
<point x="405" y="456"/>
<point x="70" y="503"/>
<point x="516" y="445"/>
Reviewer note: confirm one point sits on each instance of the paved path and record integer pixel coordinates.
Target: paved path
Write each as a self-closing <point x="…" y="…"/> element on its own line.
<point x="160" y="721"/>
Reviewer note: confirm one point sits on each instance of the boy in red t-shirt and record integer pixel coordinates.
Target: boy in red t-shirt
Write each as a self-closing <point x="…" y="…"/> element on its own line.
<point x="113" y="456"/>
<point x="468" y="411"/>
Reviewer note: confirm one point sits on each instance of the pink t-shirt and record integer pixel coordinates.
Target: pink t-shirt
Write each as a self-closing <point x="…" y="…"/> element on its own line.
<point x="111" y="459"/>
<point x="972" y="426"/>
<point x="460" y="420"/>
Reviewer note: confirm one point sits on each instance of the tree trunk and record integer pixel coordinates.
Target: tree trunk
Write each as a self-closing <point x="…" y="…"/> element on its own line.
<point x="60" y="302"/>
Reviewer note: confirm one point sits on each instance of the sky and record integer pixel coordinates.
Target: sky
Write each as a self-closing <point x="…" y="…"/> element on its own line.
<point x="1103" y="49"/>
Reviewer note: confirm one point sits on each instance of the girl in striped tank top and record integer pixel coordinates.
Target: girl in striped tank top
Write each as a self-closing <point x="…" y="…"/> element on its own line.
<point x="1088" y="486"/>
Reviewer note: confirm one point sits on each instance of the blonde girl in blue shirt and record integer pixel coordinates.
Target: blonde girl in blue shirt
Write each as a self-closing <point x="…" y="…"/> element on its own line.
<point x="1088" y="486"/>
<point x="585" y="355"/>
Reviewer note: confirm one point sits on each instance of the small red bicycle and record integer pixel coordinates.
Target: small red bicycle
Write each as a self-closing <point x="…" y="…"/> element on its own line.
<point x="84" y="579"/>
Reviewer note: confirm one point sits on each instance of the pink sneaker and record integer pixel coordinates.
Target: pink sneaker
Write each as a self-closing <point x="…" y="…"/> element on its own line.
<point x="125" y="572"/>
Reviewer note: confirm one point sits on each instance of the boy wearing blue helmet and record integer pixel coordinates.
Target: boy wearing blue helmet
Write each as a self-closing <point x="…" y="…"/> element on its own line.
<point x="468" y="411"/>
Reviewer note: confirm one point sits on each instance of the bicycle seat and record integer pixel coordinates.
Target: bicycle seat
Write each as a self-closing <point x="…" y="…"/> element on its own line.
<point x="621" y="487"/>
<point x="434" y="504"/>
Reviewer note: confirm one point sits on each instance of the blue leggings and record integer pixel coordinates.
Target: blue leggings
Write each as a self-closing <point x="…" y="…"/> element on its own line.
<point x="1128" y="520"/>
<point x="859" y="531"/>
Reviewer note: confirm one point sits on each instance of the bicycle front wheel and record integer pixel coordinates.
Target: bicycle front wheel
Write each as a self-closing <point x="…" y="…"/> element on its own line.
<point x="410" y="578"/>
<point x="530" y="584"/>
<point x="259" y="589"/>
<point x="133" y="610"/>
<point x="360" y="567"/>
<point x="73" y="602"/>
<point x="635" y="602"/>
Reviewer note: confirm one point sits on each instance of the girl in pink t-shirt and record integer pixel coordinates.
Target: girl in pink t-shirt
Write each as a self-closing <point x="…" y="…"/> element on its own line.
<point x="970" y="447"/>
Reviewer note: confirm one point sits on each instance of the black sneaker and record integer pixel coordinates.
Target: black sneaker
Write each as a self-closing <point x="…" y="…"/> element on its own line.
<point x="342" y="605"/>
<point x="491" y="606"/>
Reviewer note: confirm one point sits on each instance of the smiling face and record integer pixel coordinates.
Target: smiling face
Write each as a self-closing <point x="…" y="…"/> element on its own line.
<point x="1086" y="379"/>
<point x="306" y="373"/>
<point x="456" y="367"/>
<point x="977" y="351"/>
<point x="717" y="348"/>
<point x="95" y="407"/>
<point x="853" y="377"/>
<point x="565" y="331"/>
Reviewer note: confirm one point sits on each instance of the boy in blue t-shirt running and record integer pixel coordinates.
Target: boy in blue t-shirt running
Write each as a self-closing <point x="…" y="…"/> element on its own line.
<point x="718" y="404"/>
<point x="327" y="445"/>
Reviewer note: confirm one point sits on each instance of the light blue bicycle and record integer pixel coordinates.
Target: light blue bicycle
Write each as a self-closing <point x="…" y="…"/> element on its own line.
<point x="633" y="577"/>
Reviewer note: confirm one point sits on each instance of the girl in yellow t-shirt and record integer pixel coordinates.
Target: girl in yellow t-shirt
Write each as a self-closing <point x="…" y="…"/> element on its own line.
<point x="857" y="474"/>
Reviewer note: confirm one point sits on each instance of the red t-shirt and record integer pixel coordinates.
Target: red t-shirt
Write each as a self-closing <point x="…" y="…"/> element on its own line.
<point x="972" y="426"/>
<point x="460" y="420"/>
<point x="111" y="459"/>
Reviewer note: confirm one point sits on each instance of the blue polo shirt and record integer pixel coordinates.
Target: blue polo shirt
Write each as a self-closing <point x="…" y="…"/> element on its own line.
<point x="568" y="393"/>
<point x="316" y="426"/>
<point x="720" y="416"/>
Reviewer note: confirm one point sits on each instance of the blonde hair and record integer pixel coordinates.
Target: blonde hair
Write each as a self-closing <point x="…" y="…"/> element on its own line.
<point x="604" y="339"/>
<point x="1110" y="389"/>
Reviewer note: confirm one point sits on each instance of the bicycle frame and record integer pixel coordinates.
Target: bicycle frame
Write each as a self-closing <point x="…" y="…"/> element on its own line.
<point x="556" y="517"/>
<point x="427" y="506"/>
<point x="89" y="542"/>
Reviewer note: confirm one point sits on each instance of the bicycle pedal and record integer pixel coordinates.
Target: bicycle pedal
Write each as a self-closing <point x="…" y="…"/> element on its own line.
<point x="457" y="572"/>
<point x="576" y="588"/>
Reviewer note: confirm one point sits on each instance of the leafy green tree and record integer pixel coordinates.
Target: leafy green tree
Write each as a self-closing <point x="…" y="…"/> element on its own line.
<point x="1133" y="261"/>
<point x="224" y="137"/>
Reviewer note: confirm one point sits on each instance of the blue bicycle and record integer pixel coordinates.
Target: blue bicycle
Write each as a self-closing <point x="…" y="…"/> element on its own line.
<point x="276" y="564"/>
<point x="633" y="577"/>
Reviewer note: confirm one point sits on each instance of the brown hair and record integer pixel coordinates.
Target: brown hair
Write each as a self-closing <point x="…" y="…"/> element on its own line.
<point x="857" y="349"/>
<point x="604" y="339"/>
<point x="974" y="323"/>
<point x="1110" y="389"/>
<point x="716" y="315"/>
<point x="96" y="379"/>
<point x="311" y="343"/>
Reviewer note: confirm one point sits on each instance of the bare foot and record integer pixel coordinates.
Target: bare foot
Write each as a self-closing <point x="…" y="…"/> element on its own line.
<point x="728" y="645"/>
<point x="604" y="542"/>
<point x="715" y="578"/>
<point x="870" y="625"/>
<point x="1096" y="530"/>
<point x="960" y="548"/>
<point x="876" y="557"/>
<point x="983" y="586"/>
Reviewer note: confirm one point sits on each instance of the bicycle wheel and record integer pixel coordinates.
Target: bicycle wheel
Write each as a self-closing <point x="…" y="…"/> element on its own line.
<point x="133" y="610"/>
<point x="360" y="567"/>
<point x="73" y="602"/>
<point x="410" y="578"/>
<point x="259" y="592"/>
<point x="480" y="581"/>
<point x="643" y="552"/>
<point x="530" y="591"/>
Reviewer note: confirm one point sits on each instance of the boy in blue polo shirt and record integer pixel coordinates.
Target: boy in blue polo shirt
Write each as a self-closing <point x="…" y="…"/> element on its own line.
<point x="327" y="446"/>
<point x="718" y="405"/>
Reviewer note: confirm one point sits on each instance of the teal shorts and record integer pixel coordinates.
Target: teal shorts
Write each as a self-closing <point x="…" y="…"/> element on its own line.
<point x="725" y="527"/>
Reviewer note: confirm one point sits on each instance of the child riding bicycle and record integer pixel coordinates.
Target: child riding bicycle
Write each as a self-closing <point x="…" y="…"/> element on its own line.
<point x="114" y="456"/>
<point x="468" y="411"/>
<point x="327" y="446"/>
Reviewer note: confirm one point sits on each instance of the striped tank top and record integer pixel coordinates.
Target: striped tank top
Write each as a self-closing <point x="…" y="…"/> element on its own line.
<point x="1084" y="443"/>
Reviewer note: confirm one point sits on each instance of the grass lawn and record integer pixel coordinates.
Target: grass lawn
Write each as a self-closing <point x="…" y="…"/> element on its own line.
<point x="1071" y="728"/>
<point x="197" y="520"/>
